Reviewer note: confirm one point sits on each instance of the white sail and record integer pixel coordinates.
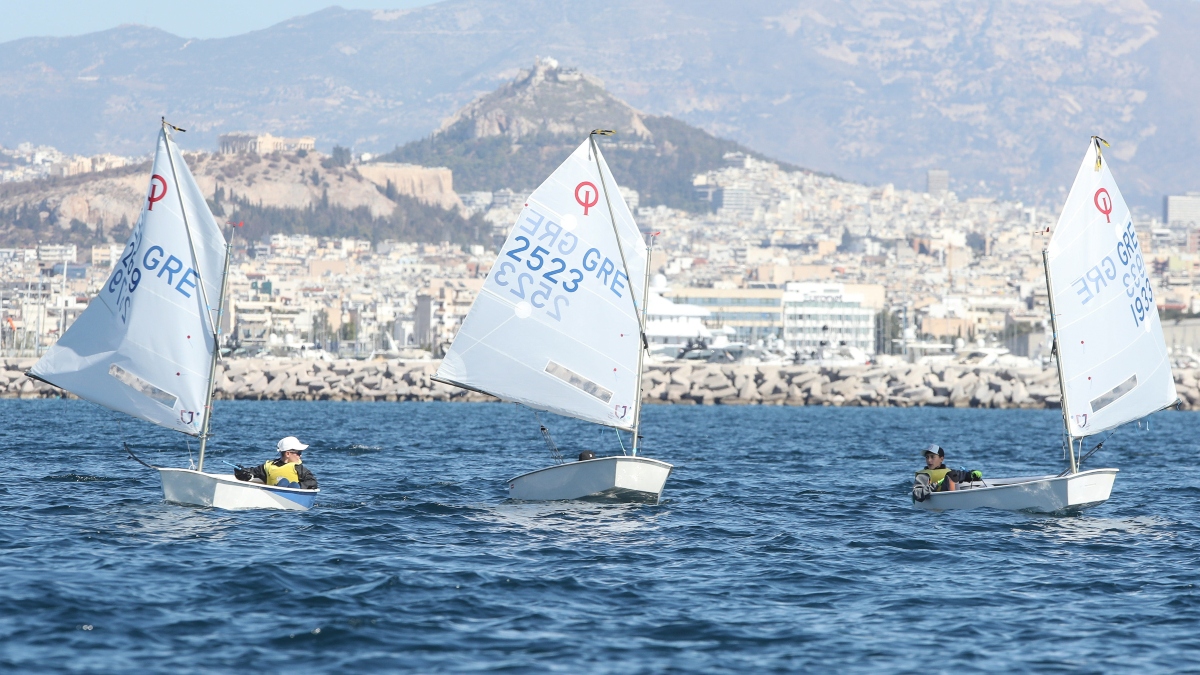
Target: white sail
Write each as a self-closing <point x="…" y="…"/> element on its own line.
<point x="144" y="345"/>
<point x="1113" y="358"/>
<point x="555" y="325"/>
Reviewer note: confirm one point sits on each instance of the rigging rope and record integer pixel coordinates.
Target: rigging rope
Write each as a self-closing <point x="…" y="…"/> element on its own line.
<point x="1079" y="464"/>
<point x="621" y="442"/>
<point x="558" y="458"/>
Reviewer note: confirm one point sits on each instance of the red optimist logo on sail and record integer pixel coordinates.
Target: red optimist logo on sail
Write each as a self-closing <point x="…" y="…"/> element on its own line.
<point x="1104" y="203"/>
<point x="587" y="195"/>
<point x="156" y="196"/>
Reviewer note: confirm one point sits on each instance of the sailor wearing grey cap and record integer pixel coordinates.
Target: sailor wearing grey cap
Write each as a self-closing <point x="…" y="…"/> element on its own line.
<point x="935" y="477"/>
<point x="286" y="471"/>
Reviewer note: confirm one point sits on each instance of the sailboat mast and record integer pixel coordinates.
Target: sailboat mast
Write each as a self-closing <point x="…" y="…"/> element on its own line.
<point x="212" y="366"/>
<point x="203" y="296"/>
<point x="637" y="406"/>
<point x="641" y="315"/>
<point x="1062" y="384"/>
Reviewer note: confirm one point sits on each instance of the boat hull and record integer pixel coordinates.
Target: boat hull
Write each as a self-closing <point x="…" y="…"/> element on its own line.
<point x="1038" y="494"/>
<point x="223" y="491"/>
<point x="620" y="479"/>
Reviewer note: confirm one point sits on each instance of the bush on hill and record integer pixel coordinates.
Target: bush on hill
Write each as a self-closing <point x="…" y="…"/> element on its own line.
<point x="411" y="221"/>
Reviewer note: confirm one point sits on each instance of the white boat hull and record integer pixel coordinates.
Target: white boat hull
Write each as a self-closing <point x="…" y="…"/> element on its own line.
<point x="1039" y="494"/>
<point x="223" y="491"/>
<point x="621" y="478"/>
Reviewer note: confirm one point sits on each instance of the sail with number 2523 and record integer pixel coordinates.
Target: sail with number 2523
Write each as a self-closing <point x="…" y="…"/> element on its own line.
<point x="556" y="326"/>
<point x="1114" y="362"/>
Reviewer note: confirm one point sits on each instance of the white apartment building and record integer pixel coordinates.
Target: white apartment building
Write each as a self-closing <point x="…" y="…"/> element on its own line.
<point x="819" y="315"/>
<point x="262" y="143"/>
<point x="1182" y="209"/>
<point x="57" y="252"/>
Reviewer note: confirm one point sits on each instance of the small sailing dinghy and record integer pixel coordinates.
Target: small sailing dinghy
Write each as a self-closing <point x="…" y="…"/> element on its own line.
<point x="1113" y="365"/>
<point x="146" y="346"/>
<point x="559" y="326"/>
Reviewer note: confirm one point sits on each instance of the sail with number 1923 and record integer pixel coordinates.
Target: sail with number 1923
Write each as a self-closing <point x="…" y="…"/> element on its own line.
<point x="1113" y="364"/>
<point x="147" y="344"/>
<point x="559" y="326"/>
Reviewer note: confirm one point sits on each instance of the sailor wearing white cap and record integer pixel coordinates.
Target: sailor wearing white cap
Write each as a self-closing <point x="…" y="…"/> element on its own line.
<point x="285" y="471"/>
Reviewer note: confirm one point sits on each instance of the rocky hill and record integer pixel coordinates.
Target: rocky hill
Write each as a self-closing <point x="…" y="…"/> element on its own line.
<point x="515" y="136"/>
<point x="290" y="192"/>
<point x="1003" y="92"/>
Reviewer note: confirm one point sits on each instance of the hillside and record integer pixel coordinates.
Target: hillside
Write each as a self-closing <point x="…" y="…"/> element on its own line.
<point x="279" y="192"/>
<point x="515" y="136"/>
<point x="1003" y="93"/>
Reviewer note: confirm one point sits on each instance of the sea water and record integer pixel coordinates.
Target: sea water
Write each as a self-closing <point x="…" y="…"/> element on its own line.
<point x="785" y="541"/>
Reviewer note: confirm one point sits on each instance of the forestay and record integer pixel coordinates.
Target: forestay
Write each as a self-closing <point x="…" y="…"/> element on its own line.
<point x="1112" y="354"/>
<point x="144" y="345"/>
<point x="554" y="326"/>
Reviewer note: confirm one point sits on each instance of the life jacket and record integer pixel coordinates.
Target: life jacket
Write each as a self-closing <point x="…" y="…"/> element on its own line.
<point x="274" y="472"/>
<point x="936" y="476"/>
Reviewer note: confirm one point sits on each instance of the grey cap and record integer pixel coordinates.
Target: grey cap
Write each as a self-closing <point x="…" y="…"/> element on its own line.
<point x="935" y="449"/>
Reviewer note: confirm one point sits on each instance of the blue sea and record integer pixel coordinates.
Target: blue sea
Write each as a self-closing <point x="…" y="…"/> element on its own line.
<point x="785" y="542"/>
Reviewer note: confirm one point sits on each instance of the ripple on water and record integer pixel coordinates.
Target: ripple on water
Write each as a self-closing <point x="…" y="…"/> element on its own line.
<point x="784" y="542"/>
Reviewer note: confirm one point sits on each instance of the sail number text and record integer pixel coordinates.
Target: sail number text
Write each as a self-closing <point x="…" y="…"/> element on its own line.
<point x="118" y="285"/>
<point x="128" y="275"/>
<point x="537" y="265"/>
<point x="1131" y="269"/>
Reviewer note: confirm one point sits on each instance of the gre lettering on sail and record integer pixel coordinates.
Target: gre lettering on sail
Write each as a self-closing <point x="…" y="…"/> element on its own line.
<point x="1113" y="366"/>
<point x="559" y="325"/>
<point x="556" y="325"/>
<point x="145" y="346"/>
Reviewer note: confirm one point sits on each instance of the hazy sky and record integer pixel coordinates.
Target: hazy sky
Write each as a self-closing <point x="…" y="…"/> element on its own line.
<point x="185" y="18"/>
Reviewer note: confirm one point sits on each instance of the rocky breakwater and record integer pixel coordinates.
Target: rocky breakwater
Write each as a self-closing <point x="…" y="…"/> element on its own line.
<point x="904" y="385"/>
<point x="342" y="380"/>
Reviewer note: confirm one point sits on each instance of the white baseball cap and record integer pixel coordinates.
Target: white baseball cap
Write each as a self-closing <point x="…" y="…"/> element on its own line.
<point x="290" y="443"/>
<point x="933" y="448"/>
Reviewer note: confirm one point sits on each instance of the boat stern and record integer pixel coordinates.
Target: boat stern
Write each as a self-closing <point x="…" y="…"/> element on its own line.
<point x="1088" y="488"/>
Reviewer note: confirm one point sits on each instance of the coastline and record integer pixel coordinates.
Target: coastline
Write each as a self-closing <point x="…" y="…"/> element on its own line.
<point x="678" y="383"/>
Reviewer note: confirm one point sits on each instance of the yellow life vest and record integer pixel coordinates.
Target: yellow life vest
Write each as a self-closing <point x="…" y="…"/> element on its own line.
<point x="935" y="475"/>
<point x="275" y="472"/>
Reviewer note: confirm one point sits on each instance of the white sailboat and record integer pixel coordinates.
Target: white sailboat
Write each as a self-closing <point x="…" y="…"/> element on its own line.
<point x="560" y="326"/>
<point x="1113" y="365"/>
<point x="147" y="344"/>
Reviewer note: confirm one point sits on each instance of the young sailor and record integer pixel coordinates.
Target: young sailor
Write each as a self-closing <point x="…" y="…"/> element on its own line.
<point x="935" y="477"/>
<point x="286" y="471"/>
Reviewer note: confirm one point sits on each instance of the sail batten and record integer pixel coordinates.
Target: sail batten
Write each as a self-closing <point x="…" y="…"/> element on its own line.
<point x="1114" y="362"/>
<point x="556" y="326"/>
<point x="144" y="345"/>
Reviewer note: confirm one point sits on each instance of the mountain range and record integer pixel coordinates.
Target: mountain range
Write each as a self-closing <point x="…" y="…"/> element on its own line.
<point x="1003" y="93"/>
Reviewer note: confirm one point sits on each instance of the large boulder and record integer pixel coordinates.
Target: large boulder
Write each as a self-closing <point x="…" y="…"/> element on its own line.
<point x="682" y="375"/>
